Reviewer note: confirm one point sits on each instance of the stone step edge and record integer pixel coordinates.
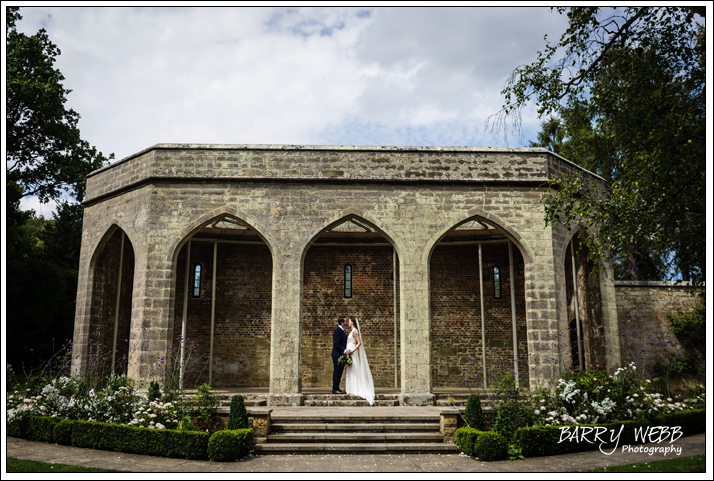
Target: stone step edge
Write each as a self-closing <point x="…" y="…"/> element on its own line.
<point x="354" y="427"/>
<point x="362" y="447"/>
<point x="354" y="418"/>
<point x="355" y="438"/>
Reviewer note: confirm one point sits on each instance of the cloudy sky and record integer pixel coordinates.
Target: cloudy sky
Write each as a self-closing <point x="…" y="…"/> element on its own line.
<point x="327" y="76"/>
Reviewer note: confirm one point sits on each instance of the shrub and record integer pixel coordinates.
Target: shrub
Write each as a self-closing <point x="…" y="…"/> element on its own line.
<point x="465" y="439"/>
<point x="490" y="446"/>
<point x="62" y="433"/>
<point x="545" y="440"/>
<point x="157" y="415"/>
<point x="691" y="422"/>
<point x="473" y="414"/>
<point x="41" y="428"/>
<point x="238" y="417"/>
<point x="153" y="442"/>
<point x="18" y="427"/>
<point x="154" y="391"/>
<point x="229" y="445"/>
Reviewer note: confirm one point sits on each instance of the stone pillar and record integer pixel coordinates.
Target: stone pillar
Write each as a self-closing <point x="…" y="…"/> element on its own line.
<point x="83" y="310"/>
<point x="151" y="325"/>
<point x="613" y="358"/>
<point x="286" y="331"/>
<point x="448" y="420"/>
<point x="261" y="424"/>
<point x="415" y="334"/>
<point x="546" y="313"/>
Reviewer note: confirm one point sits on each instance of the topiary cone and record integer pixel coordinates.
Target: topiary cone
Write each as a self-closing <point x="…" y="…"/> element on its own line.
<point x="238" y="417"/>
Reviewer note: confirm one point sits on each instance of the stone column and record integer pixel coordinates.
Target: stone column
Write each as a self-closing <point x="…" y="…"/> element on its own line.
<point x="415" y="334"/>
<point x="150" y="324"/>
<point x="83" y="310"/>
<point x="613" y="357"/>
<point x="286" y="331"/>
<point x="546" y="311"/>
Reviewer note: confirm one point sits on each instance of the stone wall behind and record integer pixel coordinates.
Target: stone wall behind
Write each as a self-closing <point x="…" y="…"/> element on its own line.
<point x="642" y="309"/>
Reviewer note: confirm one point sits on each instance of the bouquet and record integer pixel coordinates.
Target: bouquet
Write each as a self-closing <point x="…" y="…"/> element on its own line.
<point x="345" y="360"/>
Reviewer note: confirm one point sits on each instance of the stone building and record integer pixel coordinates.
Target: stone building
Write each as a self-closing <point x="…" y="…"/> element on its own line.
<point x="252" y="252"/>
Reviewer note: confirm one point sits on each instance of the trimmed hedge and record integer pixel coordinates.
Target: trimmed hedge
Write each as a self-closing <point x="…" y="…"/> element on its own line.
<point x="230" y="445"/>
<point x="41" y="428"/>
<point x="18" y="429"/>
<point x="473" y="414"/>
<point x="130" y="439"/>
<point x="544" y="440"/>
<point x="691" y="422"/>
<point x="238" y="417"/>
<point x="62" y="433"/>
<point x="466" y="438"/>
<point x="490" y="446"/>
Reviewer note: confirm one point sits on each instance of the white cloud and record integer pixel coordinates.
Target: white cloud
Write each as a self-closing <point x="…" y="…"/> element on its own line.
<point x="423" y="76"/>
<point x="41" y="210"/>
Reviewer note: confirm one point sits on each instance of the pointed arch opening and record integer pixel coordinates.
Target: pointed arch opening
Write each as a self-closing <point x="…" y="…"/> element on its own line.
<point x="477" y="300"/>
<point x="350" y="269"/>
<point x="222" y="305"/>
<point x="111" y="304"/>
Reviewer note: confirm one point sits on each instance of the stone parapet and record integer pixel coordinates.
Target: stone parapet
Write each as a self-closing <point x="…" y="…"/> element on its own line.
<point x="205" y="162"/>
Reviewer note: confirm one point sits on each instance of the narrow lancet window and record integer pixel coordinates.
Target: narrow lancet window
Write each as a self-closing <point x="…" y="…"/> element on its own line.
<point x="197" y="281"/>
<point x="496" y="282"/>
<point x="348" y="280"/>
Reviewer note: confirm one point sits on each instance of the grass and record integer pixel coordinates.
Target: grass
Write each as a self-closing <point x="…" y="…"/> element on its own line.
<point x="15" y="465"/>
<point x="690" y="464"/>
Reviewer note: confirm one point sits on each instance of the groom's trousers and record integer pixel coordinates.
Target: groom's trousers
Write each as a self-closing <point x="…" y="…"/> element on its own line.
<point x="336" y="374"/>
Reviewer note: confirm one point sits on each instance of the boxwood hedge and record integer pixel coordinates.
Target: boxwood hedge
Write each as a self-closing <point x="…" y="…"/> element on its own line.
<point x="41" y="428"/>
<point x="229" y="445"/>
<point x="466" y="437"/>
<point x="128" y="439"/>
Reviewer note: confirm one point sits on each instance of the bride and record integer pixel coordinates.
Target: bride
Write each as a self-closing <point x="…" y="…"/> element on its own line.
<point x="358" y="379"/>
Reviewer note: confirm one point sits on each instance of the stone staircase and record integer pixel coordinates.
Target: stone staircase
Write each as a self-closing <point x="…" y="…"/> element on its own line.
<point x="354" y="433"/>
<point x="317" y="400"/>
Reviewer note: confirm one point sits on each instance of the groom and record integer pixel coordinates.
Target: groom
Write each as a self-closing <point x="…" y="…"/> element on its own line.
<point x="339" y="347"/>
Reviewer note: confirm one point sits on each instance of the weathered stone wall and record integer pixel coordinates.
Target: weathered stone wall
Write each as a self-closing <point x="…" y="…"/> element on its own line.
<point x="241" y="349"/>
<point x="642" y="309"/>
<point x="289" y="195"/>
<point x="372" y="302"/>
<point x="456" y="314"/>
<point x="315" y="162"/>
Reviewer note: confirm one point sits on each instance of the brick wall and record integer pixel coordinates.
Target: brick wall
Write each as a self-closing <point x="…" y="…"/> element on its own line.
<point x="456" y="313"/>
<point x="372" y="302"/>
<point x="241" y="350"/>
<point x="104" y="299"/>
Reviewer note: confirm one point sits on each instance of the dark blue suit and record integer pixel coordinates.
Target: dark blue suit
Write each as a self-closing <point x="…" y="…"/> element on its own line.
<point x="339" y="346"/>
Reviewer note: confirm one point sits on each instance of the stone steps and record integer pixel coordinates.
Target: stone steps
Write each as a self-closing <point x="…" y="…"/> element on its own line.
<point x="394" y="427"/>
<point x="363" y="448"/>
<point x="332" y="432"/>
<point x="356" y="437"/>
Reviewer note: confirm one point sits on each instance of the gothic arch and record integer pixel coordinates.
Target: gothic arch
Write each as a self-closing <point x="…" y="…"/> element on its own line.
<point x="455" y="221"/>
<point x="350" y="213"/>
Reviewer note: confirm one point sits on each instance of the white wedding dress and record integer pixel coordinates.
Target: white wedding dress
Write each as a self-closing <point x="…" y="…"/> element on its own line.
<point x="358" y="377"/>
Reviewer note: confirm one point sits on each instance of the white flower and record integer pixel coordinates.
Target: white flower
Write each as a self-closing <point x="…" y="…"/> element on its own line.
<point x="160" y="426"/>
<point x="536" y="412"/>
<point x="635" y="395"/>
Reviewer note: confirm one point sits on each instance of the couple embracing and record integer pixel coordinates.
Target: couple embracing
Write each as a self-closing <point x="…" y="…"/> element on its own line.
<point x="358" y="380"/>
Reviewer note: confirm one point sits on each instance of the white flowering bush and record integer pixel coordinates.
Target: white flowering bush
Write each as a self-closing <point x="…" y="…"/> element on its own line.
<point x="594" y="396"/>
<point x="156" y="415"/>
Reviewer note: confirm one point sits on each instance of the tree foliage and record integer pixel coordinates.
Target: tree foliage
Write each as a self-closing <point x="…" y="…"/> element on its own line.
<point x="47" y="158"/>
<point x="622" y="93"/>
<point x="45" y="154"/>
